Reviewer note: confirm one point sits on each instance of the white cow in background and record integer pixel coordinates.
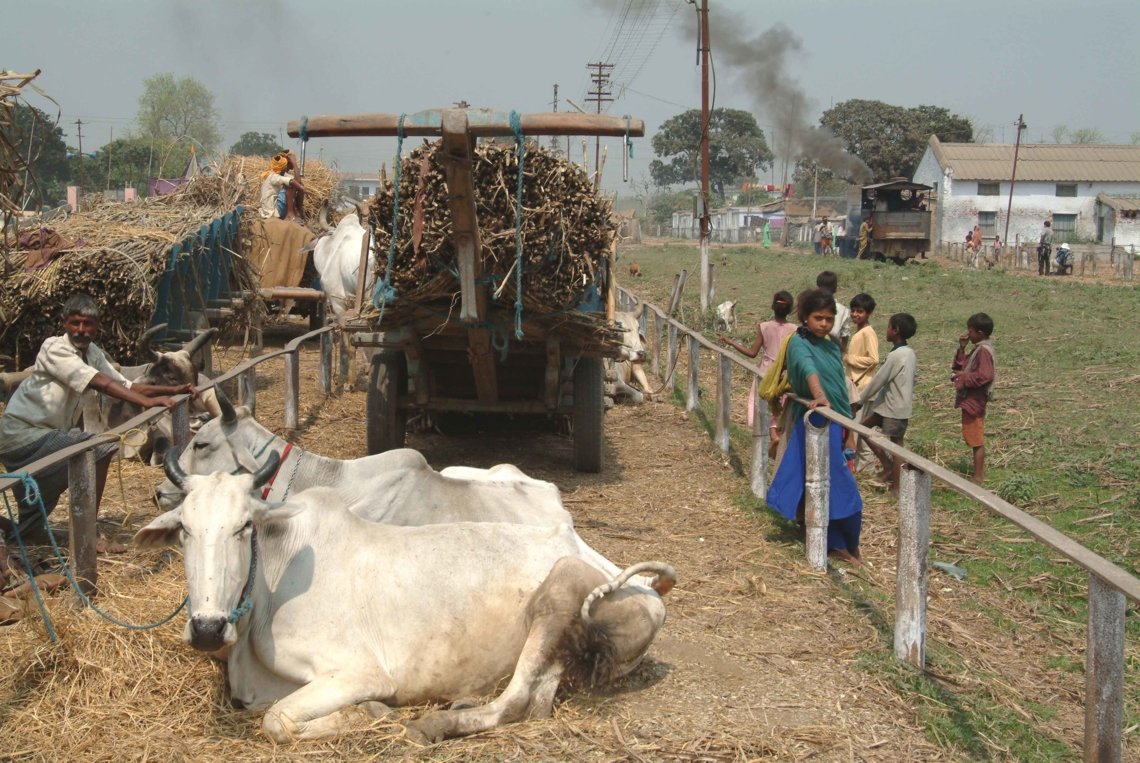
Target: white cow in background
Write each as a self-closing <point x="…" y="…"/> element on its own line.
<point x="631" y="367"/>
<point x="336" y="255"/>
<point x="726" y="315"/>
<point x="323" y="617"/>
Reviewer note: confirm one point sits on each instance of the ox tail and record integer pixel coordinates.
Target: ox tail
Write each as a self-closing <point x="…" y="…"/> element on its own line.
<point x="666" y="579"/>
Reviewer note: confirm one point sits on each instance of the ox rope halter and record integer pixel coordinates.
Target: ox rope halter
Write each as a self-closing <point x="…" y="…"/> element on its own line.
<point x="246" y="604"/>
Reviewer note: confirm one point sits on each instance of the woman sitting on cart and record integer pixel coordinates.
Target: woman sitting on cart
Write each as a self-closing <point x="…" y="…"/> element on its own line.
<point x="282" y="192"/>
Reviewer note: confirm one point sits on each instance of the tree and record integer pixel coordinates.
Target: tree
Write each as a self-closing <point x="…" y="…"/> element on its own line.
<point x="737" y="149"/>
<point x="256" y="144"/>
<point x="892" y="139"/>
<point x="1082" y="135"/>
<point x="37" y="137"/>
<point x="130" y="162"/>
<point x="173" y="110"/>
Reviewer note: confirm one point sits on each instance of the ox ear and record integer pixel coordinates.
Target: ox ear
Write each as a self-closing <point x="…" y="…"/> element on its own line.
<point x="162" y="530"/>
<point x="267" y="513"/>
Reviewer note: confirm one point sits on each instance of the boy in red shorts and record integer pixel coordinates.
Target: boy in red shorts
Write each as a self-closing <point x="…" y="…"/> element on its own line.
<point x="973" y="376"/>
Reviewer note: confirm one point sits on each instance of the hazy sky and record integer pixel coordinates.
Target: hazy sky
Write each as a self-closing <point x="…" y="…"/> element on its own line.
<point x="271" y="61"/>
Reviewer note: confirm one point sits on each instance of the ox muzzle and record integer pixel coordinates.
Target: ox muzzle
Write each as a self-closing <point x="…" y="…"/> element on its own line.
<point x="209" y="633"/>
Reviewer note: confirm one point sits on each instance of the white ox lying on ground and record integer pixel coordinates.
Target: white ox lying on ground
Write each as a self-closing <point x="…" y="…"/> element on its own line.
<point x="397" y="487"/>
<point x="631" y="367"/>
<point x="324" y="617"/>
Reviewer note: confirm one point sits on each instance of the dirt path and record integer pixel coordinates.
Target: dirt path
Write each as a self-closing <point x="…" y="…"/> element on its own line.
<point x="759" y="658"/>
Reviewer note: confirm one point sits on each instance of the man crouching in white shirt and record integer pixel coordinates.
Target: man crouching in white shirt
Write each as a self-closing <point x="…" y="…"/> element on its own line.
<point x="42" y="415"/>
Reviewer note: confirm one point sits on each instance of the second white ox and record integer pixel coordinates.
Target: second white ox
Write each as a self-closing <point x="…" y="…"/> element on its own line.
<point x="397" y="487"/>
<point x="631" y="368"/>
<point x="323" y="617"/>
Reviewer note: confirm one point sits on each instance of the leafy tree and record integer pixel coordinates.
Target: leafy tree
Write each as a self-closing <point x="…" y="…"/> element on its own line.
<point x="131" y="162"/>
<point x="256" y="144"/>
<point x="1136" y="138"/>
<point x="892" y="139"/>
<point x="173" y="110"/>
<point x="737" y="149"/>
<point x="36" y="136"/>
<point x="754" y="197"/>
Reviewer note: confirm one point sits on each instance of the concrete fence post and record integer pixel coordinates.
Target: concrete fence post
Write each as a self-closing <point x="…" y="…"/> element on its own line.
<point x="910" y="577"/>
<point x="723" y="402"/>
<point x="81" y="489"/>
<point x="1104" y="673"/>
<point x="760" y="423"/>
<point x="693" y="392"/>
<point x="817" y="492"/>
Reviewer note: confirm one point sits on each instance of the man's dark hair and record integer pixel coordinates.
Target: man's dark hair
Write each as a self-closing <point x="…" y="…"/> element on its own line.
<point x="80" y="304"/>
<point x="904" y="324"/>
<point x="827" y="281"/>
<point x="864" y="302"/>
<point x="981" y="322"/>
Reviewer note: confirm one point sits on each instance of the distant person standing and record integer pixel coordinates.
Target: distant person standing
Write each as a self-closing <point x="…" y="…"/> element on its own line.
<point x="817" y="238"/>
<point x="767" y="235"/>
<point x="1044" y="249"/>
<point x="866" y="229"/>
<point x="825" y="238"/>
<point x="997" y="253"/>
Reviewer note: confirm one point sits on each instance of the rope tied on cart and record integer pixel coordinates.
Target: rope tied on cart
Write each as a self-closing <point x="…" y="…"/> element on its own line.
<point x="32" y="495"/>
<point x="628" y="142"/>
<point x="384" y="292"/>
<point x="520" y="143"/>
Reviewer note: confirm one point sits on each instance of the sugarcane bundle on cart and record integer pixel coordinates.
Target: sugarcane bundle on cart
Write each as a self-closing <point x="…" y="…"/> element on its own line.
<point x="118" y="252"/>
<point x="545" y="242"/>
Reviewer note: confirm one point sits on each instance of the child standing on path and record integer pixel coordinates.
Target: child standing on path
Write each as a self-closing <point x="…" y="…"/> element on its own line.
<point x="828" y="282"/>
<point x="973" y="375"/>
<point x="892" y="390"/>
<point x="769" y="336"/>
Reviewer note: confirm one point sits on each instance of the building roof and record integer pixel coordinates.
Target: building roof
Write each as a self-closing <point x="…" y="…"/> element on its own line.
<point x="1040" y="161"/>
<point x="1119" y="203"/>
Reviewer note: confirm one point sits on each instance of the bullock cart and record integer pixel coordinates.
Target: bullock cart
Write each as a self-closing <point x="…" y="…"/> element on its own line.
<point x="475" y="342"/>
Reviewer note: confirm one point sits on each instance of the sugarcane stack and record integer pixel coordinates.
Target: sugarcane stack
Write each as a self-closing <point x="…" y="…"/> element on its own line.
<point x="565" y="225"/>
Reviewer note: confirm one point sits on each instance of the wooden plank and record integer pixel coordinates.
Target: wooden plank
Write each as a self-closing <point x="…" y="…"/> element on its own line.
<point x="611" y="280"/>
<point x="483" y="124"/>
<point x="291" y="292"/>
<point x="658" y="342"/>
<point x="82" y="489"/>
<point x="693" y="393"/>
<point x="817" y="494"/>
<point x="671" y="360"/>
<point x="553" y="373"/>
<point x="1104" y="673"/>
<point x="759" y="476"/>
<point x="292" y="390"/>
<point x="911" y="576"/>
<point x="362" y="273"/>
<point x="326" y="362"/>
<point x="723" y="403"/>
<point x="180" y="423"/>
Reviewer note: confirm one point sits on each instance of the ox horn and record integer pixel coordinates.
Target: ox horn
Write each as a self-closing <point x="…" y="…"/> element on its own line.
<point x="229" y="415"/>
<point x="174" y="471"/>
<point x="199" y="341"/>
<point x="144" y="340"/>
<point x="267" y="470"/>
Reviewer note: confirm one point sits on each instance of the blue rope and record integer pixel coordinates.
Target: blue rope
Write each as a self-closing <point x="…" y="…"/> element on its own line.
<point x="246" y="603"/>
<point x="516" y="128"/>
<point x="32" y="493"/>
<point x="305" y="129"/>
<point x="384" y="292"/>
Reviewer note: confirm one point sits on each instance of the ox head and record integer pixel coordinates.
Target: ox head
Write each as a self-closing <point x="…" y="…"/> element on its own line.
<point x="220" y="445"/>
<point x="214" y="525"/>
<point x="633" y="341"/>
<point x="177" y="366"/>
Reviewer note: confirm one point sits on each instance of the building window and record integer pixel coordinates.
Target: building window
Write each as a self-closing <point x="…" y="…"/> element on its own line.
<point x="1067" y="189"/>
<point x="989" y="189"/>
<point x="1064" y="228"/>
<point x="987" y="221"/>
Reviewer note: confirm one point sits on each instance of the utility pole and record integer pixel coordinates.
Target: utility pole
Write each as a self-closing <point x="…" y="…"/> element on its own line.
<point x="706" y="219"/>
<point x="1020" y="125"/>
<point x="79" y="133"/>
<point x="554" y="138"/>
<point x="599" y="95"/>
<point x="110" y="140"/>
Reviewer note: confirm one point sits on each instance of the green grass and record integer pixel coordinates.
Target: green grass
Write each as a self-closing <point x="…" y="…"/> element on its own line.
<point x="1061" y="439"/>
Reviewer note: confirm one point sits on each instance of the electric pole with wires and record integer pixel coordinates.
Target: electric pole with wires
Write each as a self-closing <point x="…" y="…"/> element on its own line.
<point x="705" y="217"/>
<point x="599" y="95"/>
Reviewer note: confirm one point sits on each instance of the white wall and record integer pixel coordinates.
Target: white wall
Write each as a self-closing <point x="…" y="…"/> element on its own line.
<point x="1033" y="202"/>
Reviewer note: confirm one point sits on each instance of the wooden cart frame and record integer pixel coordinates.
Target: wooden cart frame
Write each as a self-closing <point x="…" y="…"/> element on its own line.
<point x="459" y="364"/>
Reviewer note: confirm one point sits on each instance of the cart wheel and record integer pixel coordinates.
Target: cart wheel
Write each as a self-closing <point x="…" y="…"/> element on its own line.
<point x="589" y="408"/>
<point x="387" y="422"/>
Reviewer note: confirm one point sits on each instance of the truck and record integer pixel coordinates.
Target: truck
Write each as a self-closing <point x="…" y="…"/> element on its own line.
<point x="901" y="219"/>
